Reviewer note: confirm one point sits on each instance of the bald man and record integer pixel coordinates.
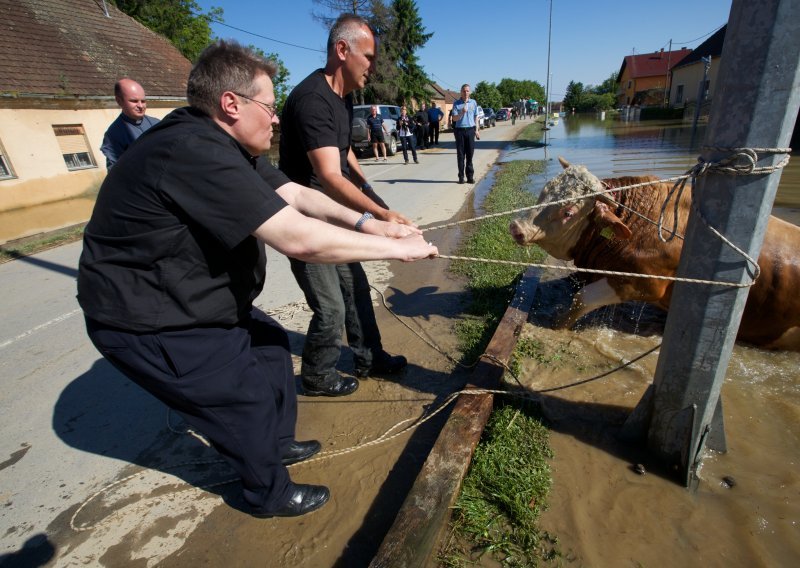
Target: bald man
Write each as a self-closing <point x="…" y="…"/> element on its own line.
<point x="130" y="124"/>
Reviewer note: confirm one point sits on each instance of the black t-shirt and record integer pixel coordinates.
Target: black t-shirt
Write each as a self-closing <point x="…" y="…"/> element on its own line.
<point x="313" y="117"/>
<point x="169" y="244"/>
<point x="421" y="117"/>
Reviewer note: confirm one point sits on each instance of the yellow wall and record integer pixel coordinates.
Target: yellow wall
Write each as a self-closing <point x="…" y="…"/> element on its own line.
<point x="31" y="149"/>
<point x="690" y="77"/>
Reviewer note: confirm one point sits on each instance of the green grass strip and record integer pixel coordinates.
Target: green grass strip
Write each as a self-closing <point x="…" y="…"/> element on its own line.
<point x="506" y="487"/>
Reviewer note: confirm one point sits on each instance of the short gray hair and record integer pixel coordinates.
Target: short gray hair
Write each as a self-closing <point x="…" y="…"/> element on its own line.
<point x="225" y="66"/>
<point x="347" y="27"/>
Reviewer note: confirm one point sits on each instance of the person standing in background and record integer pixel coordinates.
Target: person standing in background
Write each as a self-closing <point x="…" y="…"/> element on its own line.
<point x="131" y="123"/>
<point x="405" y="130"/>
<point x="434" y="118"/>
<point x="465" y="128"/>
<point x="421" y="118"/>
<point x="375" y="131"/>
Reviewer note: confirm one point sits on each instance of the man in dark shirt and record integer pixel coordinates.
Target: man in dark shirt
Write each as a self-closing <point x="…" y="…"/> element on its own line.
<point x="315" y="151"/>
<point x="131" y="123"/>
<point x="174" y="256"/>
<point x="435" y="115"/>
<point x="421" y="118"/>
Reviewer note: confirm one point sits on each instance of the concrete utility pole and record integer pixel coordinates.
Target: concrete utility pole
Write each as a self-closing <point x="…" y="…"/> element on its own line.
<point x="754" y="106"/>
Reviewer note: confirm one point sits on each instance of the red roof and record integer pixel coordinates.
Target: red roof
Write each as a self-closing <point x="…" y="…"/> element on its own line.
<point x="652" y="64"/>
<point x="70" y="48"/>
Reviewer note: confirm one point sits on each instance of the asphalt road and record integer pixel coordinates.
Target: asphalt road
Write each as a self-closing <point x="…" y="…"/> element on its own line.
<point x="72" y="425"/>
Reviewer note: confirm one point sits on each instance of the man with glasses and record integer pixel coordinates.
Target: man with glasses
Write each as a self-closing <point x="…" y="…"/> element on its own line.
<point x="174" y="256"/>
<point x="315" y="151"/>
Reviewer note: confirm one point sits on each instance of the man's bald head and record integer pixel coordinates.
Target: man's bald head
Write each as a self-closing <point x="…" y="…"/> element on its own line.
<point x="130" y="98"/>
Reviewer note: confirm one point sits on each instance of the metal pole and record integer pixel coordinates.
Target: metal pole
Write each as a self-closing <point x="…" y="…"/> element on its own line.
<point x="701" y="90"/>
<point x="755" y="105"/>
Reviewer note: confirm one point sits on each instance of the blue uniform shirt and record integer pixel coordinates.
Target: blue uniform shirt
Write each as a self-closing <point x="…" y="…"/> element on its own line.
<point x="470" y="119"/>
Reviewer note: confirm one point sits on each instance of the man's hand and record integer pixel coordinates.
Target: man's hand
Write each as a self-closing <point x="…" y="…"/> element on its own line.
<point x="477" y="134"/>
<point x="391" y="230"/>
<point x="395" y="217"/>
<point x="417" y="248"/>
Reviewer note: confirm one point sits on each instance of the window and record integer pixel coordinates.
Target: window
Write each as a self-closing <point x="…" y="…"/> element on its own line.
<point x="679" y="94"/>
<point x="74" y="147"/>
<point x="629" y="83"/>
<point x="5" y="167"/>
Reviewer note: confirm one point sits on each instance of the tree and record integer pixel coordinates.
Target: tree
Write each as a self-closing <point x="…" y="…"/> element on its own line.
<point x="512" y="90"/>
<point x="182" y="22"/>
<point x="331" y="9"/>
<point x="487" y="95"/>
<point x="405" y="37"/>
<point x="398" y="77"/>
<point x="609" y="85"/>
<point x="574" y="96"/>
<point x="280" y="81"/>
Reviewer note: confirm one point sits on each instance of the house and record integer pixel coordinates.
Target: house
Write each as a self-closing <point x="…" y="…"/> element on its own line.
<point x="443" y="98"/>
<point x="644" y="79"/>
<point x="689" y="77"/>
<point x="59" y="60"/>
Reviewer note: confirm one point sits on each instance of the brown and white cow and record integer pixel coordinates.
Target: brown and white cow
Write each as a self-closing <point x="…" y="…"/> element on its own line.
<point x="595" y="232"/>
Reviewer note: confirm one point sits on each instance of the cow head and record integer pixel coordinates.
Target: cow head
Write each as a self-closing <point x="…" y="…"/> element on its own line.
<point x="557" y="227"/>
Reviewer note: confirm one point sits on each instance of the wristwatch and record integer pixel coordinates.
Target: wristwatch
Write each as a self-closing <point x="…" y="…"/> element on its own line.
<point x="364" y="218"/>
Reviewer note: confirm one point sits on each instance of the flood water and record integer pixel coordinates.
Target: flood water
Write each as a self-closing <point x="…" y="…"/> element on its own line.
<point x="746" y="509"/>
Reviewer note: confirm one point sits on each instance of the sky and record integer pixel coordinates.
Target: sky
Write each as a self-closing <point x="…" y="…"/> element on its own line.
<point x="480" y="41"/>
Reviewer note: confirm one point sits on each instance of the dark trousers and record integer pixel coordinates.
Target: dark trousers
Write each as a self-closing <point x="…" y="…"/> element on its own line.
<point x="433" y="133"/>
<point x="422" y="135"/>
<point x="235" y="385"/>
<point x="339" y="297"/>
<point x="408" y="142"/>
<point x="465" y="148"/>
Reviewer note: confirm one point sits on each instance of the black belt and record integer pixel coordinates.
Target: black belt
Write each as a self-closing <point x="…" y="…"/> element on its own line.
<point x="465" y="127"/>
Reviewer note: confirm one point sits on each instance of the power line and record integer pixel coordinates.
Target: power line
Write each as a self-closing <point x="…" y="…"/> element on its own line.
<point x="221" y="23"/>
<point x="701" y="37"/>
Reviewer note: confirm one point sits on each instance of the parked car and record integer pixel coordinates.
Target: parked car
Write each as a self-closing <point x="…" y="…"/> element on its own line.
<point x="489" y="117"/>
<point x="480" y="117"/>
<point x="389" y="113"/>
<point x="502" y="114"/>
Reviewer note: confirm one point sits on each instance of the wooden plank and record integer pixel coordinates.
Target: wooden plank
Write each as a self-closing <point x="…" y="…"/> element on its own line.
<point x="413" y="539"/>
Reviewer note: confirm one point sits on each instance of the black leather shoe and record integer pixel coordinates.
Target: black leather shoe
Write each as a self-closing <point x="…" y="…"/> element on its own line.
<point x="304" y="499"/>
<point x="299" y="451"/>
<point x="460" y="180"/>
<point x="470" y="180"/>
<point x="334" y="385"/>
<point x="383" y="364"/>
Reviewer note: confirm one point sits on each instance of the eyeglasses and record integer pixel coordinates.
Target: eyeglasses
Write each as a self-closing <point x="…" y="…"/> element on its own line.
<point x="271" y="109"/>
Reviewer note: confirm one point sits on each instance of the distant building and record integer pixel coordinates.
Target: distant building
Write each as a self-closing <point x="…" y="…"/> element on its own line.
<point x="644" y="79"/>
<point x="688" y="76"/>
<point x="59" y="60"/>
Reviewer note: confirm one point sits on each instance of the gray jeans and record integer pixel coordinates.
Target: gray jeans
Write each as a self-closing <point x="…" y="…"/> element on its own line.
<point x="339" y="297"/>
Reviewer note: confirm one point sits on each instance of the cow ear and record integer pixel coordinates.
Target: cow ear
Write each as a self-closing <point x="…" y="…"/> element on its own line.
<point x="605" y="219"/>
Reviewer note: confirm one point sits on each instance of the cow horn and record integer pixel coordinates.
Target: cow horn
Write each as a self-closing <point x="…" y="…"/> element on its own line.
<point x="564" y="164"/>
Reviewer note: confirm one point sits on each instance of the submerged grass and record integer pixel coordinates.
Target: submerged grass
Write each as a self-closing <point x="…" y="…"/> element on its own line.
<point x="506" y="487"/>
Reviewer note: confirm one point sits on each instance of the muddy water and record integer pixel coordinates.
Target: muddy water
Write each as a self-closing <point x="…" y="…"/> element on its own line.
<point x="746" y="509"/>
